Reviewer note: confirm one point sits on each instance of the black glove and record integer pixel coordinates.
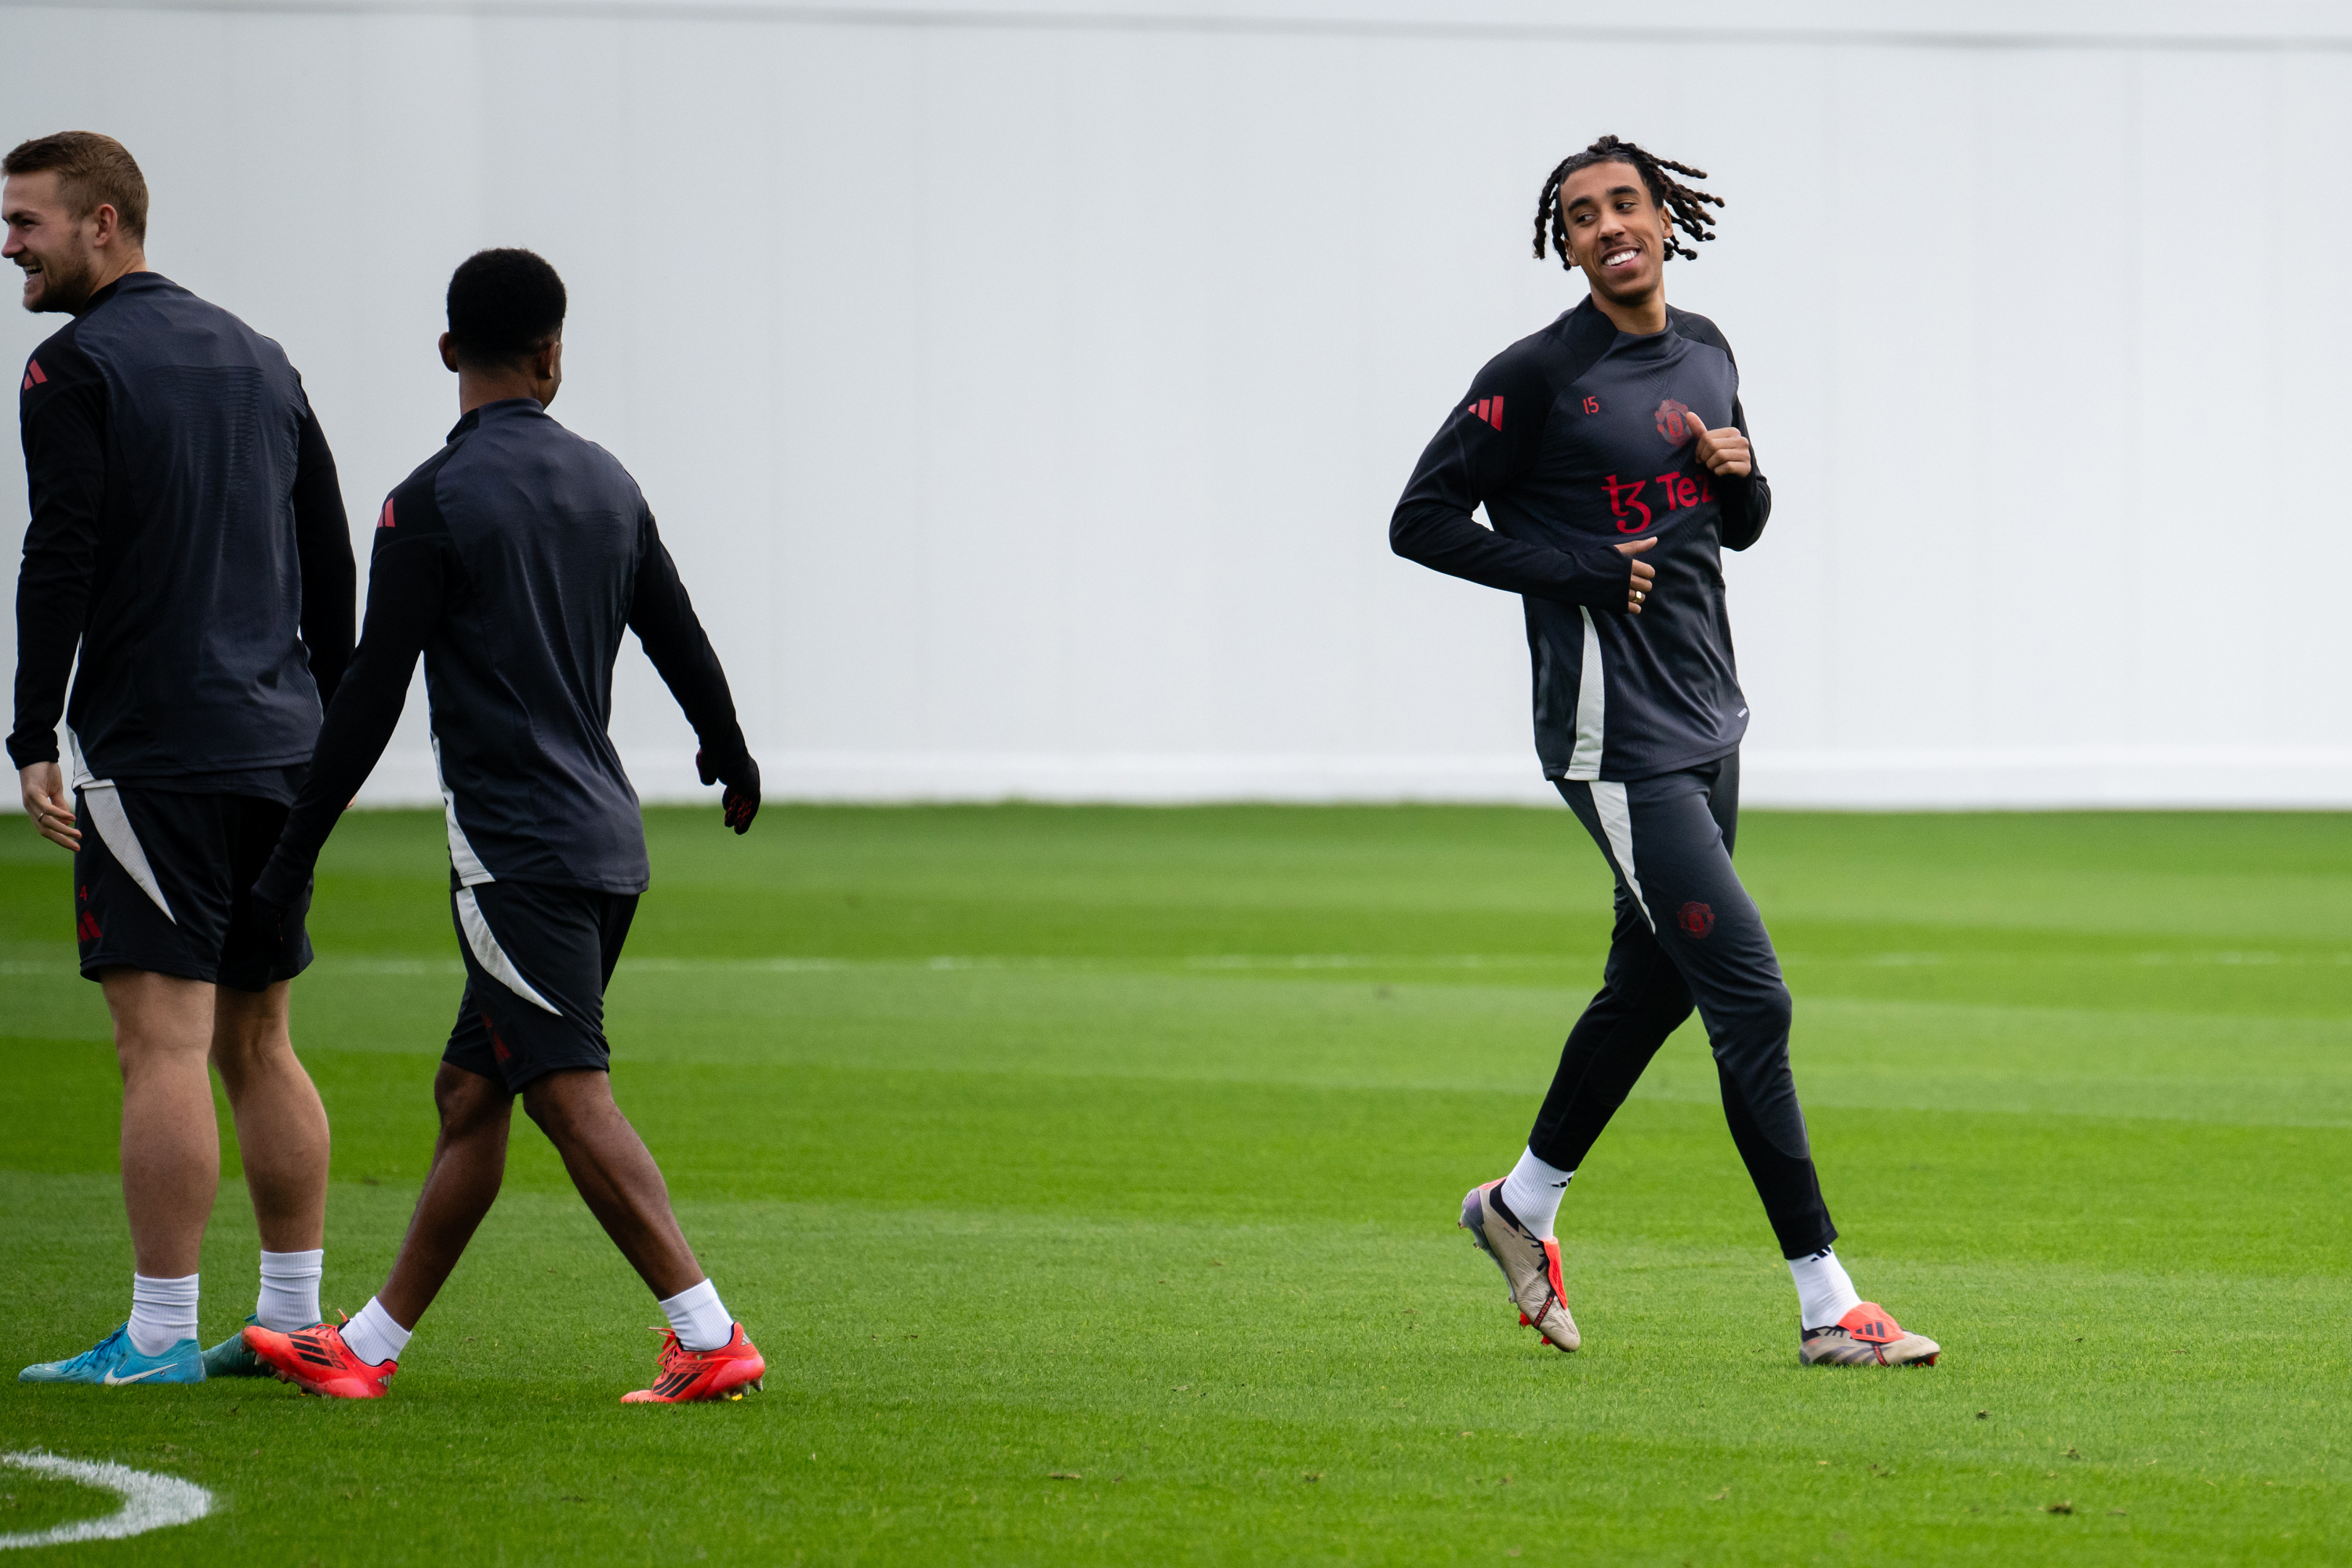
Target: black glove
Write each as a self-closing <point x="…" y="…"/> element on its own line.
<point x="740" y="799"/>
<point x="269" y="920"/>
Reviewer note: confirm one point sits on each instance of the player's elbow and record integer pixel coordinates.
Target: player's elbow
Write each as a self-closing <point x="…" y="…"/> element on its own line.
<point x="1409" y="533"/>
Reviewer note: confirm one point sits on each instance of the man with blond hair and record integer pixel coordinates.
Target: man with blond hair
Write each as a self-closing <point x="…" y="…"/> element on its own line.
<point x="188" y="538"/>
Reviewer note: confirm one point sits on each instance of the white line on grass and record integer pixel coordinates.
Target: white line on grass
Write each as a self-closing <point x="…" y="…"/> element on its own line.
<point x="149" y="1501"/>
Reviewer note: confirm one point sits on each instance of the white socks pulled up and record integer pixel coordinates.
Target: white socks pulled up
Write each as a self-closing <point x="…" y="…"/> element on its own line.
<point x="1823" y="1292"/>
<point x="1532" y="1192"/>
<point x="373" y="1336"/>
<point x="289" y="1290"/>
<point x="699" y="1318"/>
<point x="163" y="1312"/>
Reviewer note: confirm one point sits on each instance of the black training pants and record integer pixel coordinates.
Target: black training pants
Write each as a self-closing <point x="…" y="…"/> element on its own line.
<point x="1686" y="931"/>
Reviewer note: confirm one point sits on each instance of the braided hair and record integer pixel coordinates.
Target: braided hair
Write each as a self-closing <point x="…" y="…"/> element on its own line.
<point x="1685" y="205"/>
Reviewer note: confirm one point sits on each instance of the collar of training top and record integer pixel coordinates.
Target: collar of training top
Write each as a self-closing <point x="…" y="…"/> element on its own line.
<point x="129" y="282"/>
<point x="502" y="408"/>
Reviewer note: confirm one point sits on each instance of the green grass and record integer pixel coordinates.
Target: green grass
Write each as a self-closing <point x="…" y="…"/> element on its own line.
<point x="1127" y="1144"/>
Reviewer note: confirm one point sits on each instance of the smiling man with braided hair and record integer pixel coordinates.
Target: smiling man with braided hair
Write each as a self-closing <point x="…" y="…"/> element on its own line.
<point x="1611" y="452"/>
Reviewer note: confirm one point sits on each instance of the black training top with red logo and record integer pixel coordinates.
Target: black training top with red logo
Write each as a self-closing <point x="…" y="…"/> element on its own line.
<point x="514" y="560"/>
<point x="1575" y="440"/>
<point x="187" y="537"/>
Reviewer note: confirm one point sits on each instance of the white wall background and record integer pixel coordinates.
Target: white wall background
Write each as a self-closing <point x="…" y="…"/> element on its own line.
<point x="1024" y="389"/>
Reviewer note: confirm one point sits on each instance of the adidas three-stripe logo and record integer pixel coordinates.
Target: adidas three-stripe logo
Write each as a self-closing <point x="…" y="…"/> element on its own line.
<point x="1490" y="409"/>
<point x="33" y="376"/>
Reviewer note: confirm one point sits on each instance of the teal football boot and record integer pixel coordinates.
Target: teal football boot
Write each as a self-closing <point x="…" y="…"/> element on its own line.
<point x="114" y="1361"/>
<point x="230" y="1358"/>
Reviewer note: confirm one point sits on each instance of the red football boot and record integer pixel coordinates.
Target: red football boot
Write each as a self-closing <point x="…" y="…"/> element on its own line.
<point x="721" y="1373"/>
<point x="316" y="1361"/>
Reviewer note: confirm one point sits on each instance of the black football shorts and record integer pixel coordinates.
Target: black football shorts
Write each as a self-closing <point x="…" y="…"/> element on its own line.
<point x="538" y="958"/>
<point x="162" y="882"/>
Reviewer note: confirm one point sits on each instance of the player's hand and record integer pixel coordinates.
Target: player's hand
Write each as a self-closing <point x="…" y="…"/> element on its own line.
<point x="48" y="805"/>
<point x="1644" y="574"/>
<point x="1723" y="452"/>
<point x="740" y="799"/>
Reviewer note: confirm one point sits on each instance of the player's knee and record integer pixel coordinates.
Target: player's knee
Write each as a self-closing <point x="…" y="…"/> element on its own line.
<point x="247" y="1057"/>
<point x="562" y="1103"/>
<point x="1775" y="1011"/>
<point x="468" y="1101"/>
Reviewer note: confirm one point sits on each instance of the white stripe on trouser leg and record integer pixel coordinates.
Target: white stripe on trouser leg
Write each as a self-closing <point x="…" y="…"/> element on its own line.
<point x="113" y="825"/>
<point x="1591" y="706"/>
<point x="490" y="954"/>
<point x="471" y="872"/>
<point x="1617" y="821"/>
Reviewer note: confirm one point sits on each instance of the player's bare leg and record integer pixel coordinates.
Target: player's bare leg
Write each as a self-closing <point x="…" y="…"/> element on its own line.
<point x="623" y="1188"/>
<point x="616" y="1175"/>
<point x="357" y="1359"/>
<point x="469" y="1162"/>
<point x="281" y="1127"/>
<point x="281" y="1131"/>
<point x="170" y="1171"/>
<point x="171" y="1142"/>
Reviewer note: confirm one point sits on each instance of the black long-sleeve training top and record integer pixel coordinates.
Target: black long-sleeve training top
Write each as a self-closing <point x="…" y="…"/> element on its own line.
<point x="1575" y="441"/>
<point x="188" y="534"/>
<point x="513" y="560"/>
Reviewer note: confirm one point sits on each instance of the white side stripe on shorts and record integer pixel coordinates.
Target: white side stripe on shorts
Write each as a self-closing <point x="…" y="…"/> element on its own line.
<point x="1617" y="821"/>
<point x="113" y="825"/>
<point x="490" y="954"/>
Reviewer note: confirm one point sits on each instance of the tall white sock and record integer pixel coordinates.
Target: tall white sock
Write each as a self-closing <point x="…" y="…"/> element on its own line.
<point x="1823" y="1292"/>
<point x="699" y="1318"/>
<point x="163" y="1312"/>
<point x="373" y="1336"/>
<point x="289" y="1290"/>
<point x="1532" y="1192"/>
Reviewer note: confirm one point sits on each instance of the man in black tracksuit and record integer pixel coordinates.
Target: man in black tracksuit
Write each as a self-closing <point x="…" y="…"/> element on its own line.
<point x="514" y="560"/>
<point x="1611" y="452"/>
<point x="187" y="538"/>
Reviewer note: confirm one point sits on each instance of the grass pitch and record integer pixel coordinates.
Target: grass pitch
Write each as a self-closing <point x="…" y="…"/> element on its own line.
<point x="1125" y="1147"/>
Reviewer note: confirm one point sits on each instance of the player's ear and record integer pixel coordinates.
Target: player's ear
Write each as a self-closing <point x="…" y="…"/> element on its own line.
<point x="547" y="364"/>
<point x="449" y="355"/>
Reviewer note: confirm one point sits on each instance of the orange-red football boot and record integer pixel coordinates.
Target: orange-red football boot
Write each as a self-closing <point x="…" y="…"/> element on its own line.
<point x="316" y="1361"/>
<point x="686" y="1374"/>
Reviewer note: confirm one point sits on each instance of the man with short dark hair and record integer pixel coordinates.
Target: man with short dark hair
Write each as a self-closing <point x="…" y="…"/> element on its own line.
<point x="188" y="534"/>
<point x="512" y="560"/>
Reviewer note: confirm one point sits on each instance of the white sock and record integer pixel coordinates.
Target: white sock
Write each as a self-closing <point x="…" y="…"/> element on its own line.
<point x="699" y="1318"/>
<point x="373" y="1336"/>
<point x="1823" y="1292"/>
<point x="163" y="1312"/>
<point x="289" y="1290"/>
<point x="1532" y="1192"/>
